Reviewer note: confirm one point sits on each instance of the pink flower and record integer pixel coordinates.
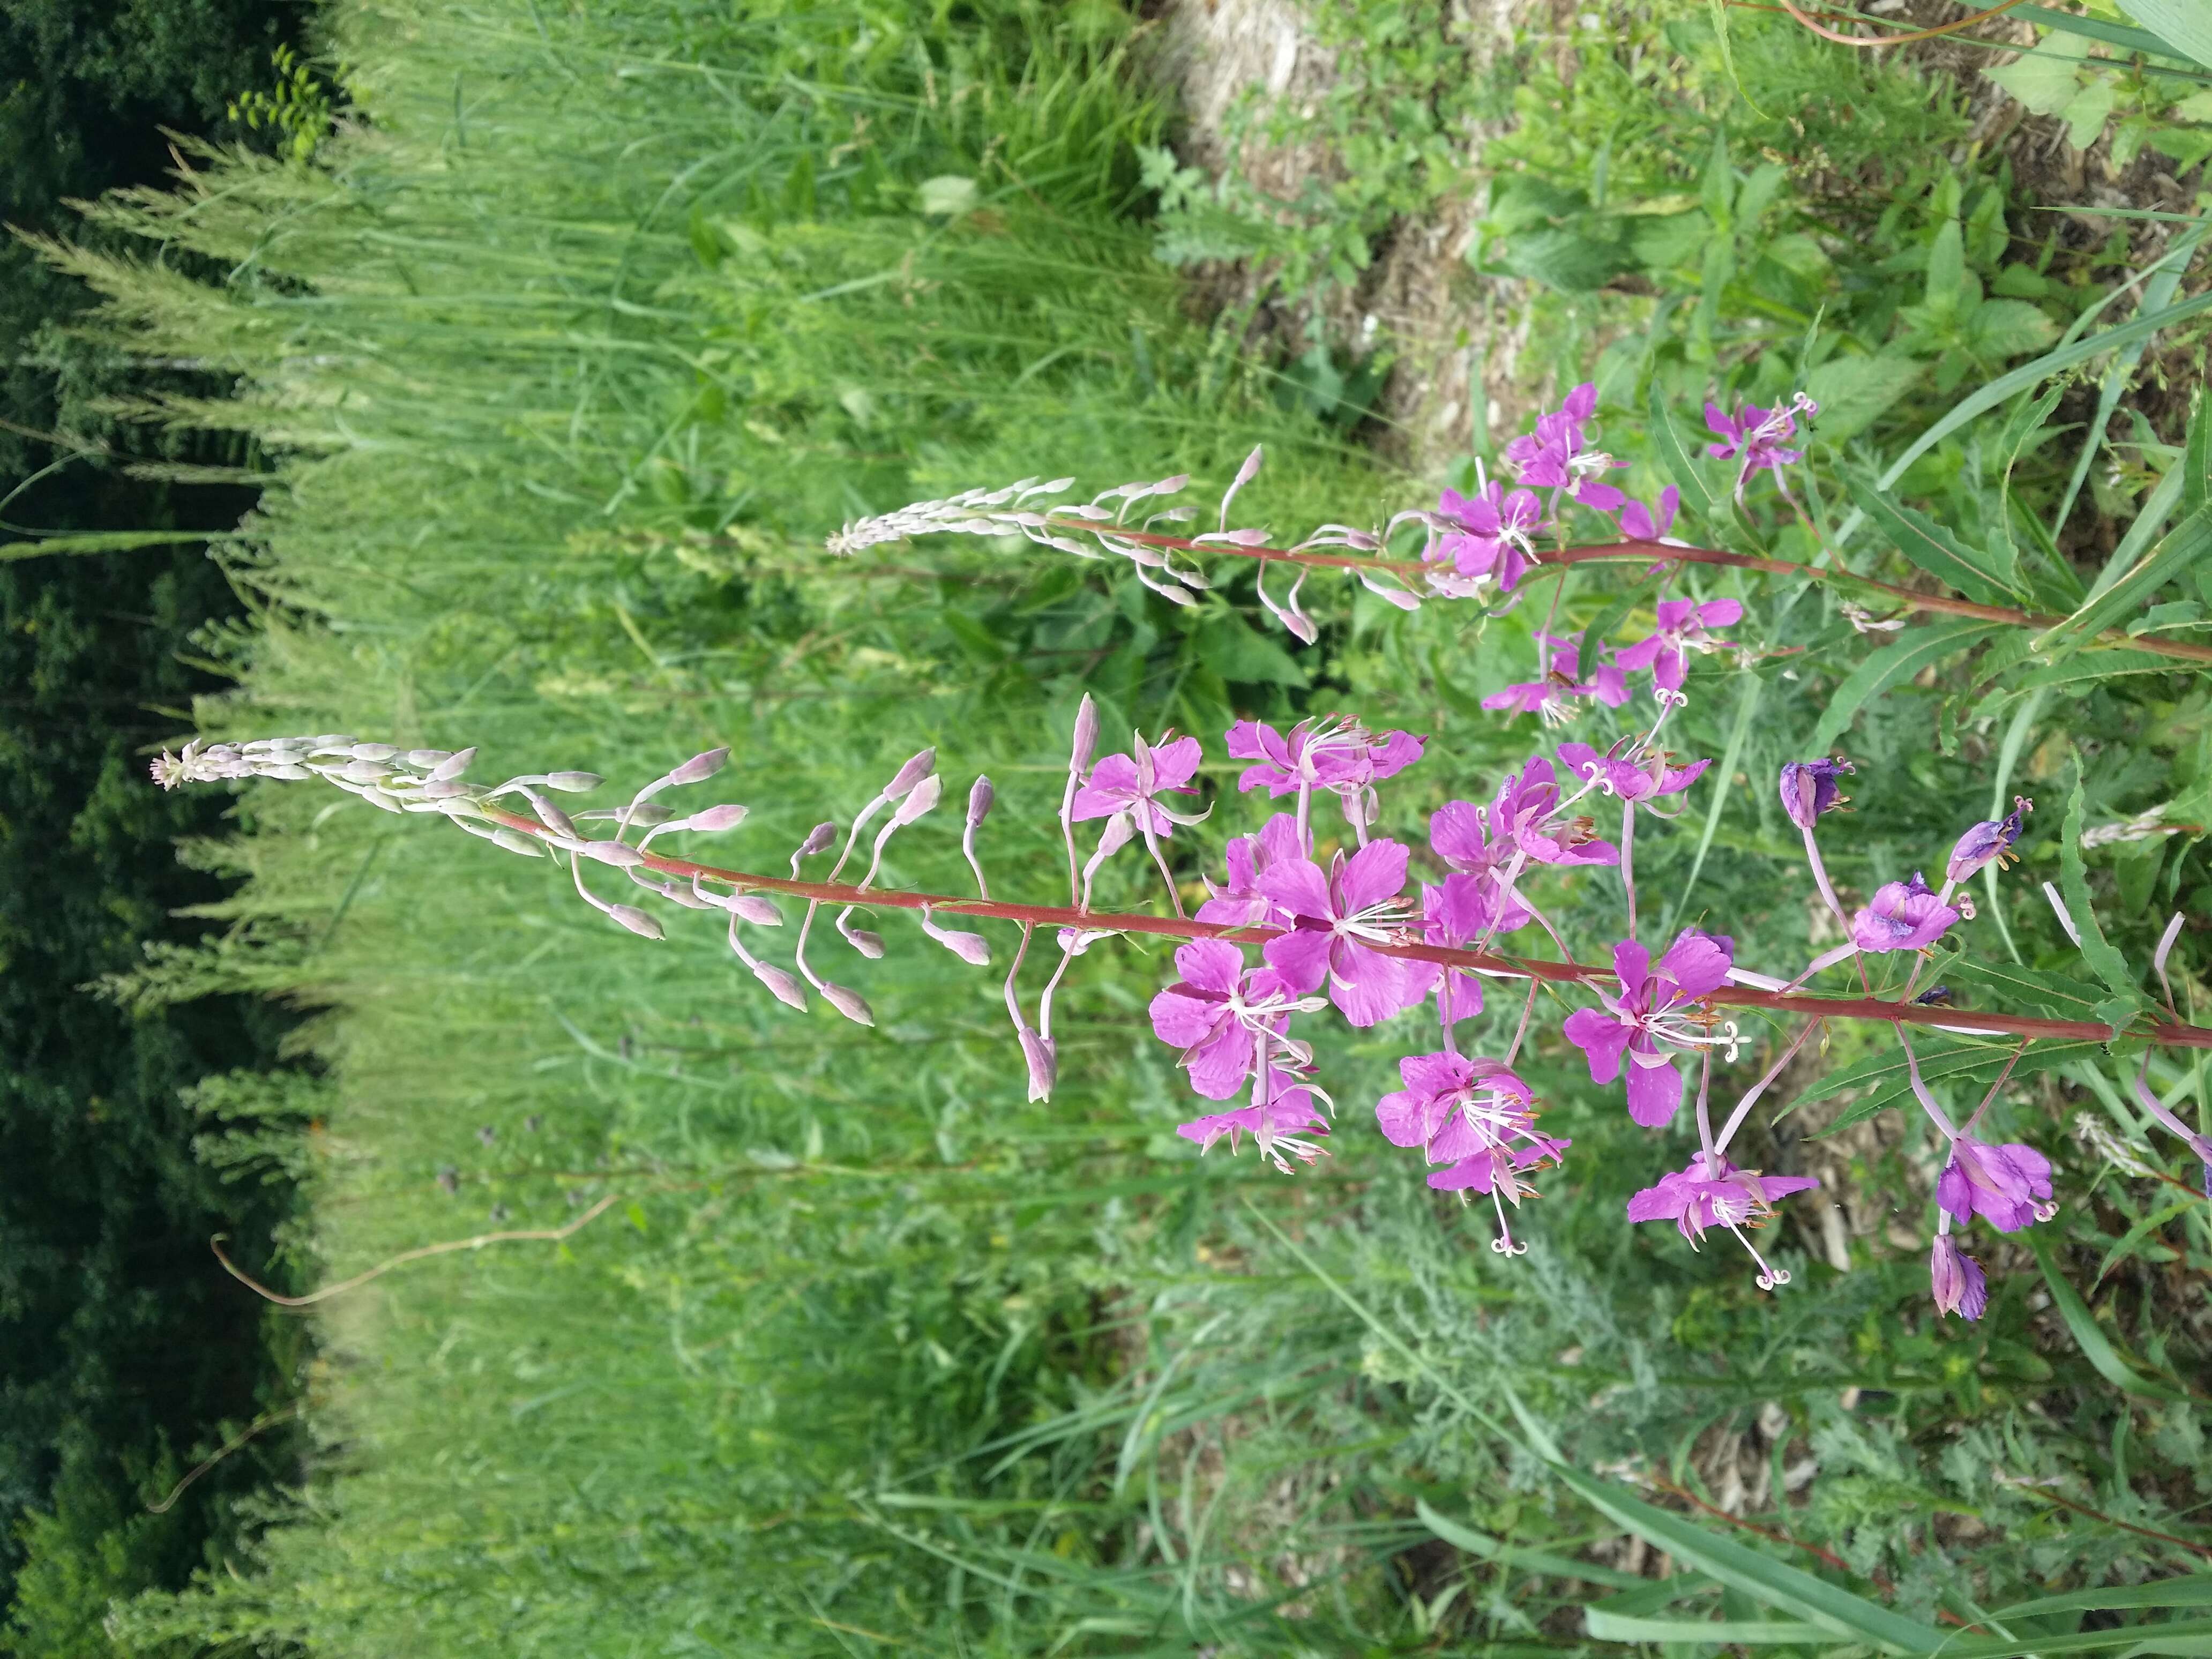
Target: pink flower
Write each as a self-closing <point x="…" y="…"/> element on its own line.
<point x="1989" y="843"/>
<point x="1711" y="1192"/>
<point x="1337" y="920"/>
<point x="1281" y="1119"/>
<point x="1903" y="916"/>
<point x="1465" y="910"/>
<point x="1121" y="784"/>
<point x="1500" y="527"/>
<point x="1956" y="1280"/>
<point x="1684" y="625"/>
<point x="1213" y="1012"/>
<point x="1551" y="697"/>
<point x="1238" y="902"/>
<point x="1525" y="821"/>
<point x="1556" y="456"/>
<point x="1453" y="1107"/>
<point x="1754" y="436"/>
<point x="1650" y="774"/>
<point x="2008" y="1186"/>
<point x="1637" y="1020"/>
<point x="1640" y="523"/>
<point x="1319" y="754"/>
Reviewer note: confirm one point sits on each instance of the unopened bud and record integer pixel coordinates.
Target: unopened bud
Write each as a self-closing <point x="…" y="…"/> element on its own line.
<point x="700" y="767"/>
<point x="574" y="783"/>
<point x="924" y="799"/>
<point x="373" y="752"/>
<point x="362" y="771"/>
<point x="376" y="797"/>
<point x="613" y="852"/>
<point x="980" y="797"/>
<point x="444" y="789"/>
<point x="452" y="766"/>
<point x="784" y="986"/>
<point x="1043" y="1057"/>
<point x="911" y="775"/>
<point x="818" y="838"/>
<point x="751" y="907"/>
<point x="423" y="759"/>
<point x="515" y="842"/>
<point x="1086" y="735"/>
<point x="718" y="817"/>
<point x="848" y="1003"/>
<point x="553" y="817"/>
<point x="635" y="919"/>
<point x="869" y="944"/>
<point x="971" y="948"/>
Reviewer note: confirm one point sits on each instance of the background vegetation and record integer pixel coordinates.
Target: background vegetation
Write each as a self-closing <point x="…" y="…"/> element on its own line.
<point x="568" y="342"/>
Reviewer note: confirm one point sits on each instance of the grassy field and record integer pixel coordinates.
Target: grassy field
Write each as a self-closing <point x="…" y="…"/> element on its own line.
<point x="564" y="356"/>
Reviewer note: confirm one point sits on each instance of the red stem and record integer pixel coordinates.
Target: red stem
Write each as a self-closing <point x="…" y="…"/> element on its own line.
<point x="1049" y="916"/>
<point x="1643" y="551"/>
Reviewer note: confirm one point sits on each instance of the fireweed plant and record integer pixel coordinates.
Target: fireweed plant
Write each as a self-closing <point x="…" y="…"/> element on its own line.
<point x="1352" y="930"/>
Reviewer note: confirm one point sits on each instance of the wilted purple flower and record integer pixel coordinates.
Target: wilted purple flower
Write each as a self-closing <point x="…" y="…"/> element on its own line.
<point x="1640" y="523"/>
<point x="1331" y="754"/>
<point x="1905" y="915"/>
<point x="1282" y="1119"/>
<point x="1647" y="773"/>
<point x="1116" y="785"/>
<point x="1956" y="1279"/>
<point x="1754" y="436"/>
<point x="2008" y="1185"/>
<point x="1499" y="529"/>
<point x="1552" y="696"/>
<point x="1808" y="788"/>
<point x="1640" y="1017"/>
<point x="1214" y="1013"/>
<point x="1336" y="919"/>
<point x="1685" y="625"/>
<point x="1711" y="1192"/>
<point x="1990" y="841"/>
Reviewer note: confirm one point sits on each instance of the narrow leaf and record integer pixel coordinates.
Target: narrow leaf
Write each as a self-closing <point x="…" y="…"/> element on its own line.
<point x="2096" y="1347"/>
<point x="2108" y="963"/>
<point x="1605" y="1626"/>
<point x="1515" y="1555"/>
<point x="2185" y="544"/>
<point x="1915" y="650"/>
<point x="1676" y="457"/>
<point x="1935" y="549"/>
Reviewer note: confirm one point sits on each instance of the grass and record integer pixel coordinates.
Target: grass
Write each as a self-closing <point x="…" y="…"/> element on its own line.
<point x="566" y="357"/>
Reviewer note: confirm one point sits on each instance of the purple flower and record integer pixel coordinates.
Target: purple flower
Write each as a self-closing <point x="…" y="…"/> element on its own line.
<point x="1280" y="1119"/>
<point x="1337" y="920"/>
<point x="1555" y="456"/>
<point x="1711" y="1192"/>
<point x="1990" y="841"/>
<point x="1755" y="436"/>
<point x="1640" y="1017"/>
<point x="1466" y="910"/>
<point x="1238" y="902"/>
<point x="1495" y="1169"/>
<point x="1648" y="775"/>
<point x="1499" y="530"/>
<point x="1905" y="915"/>
<point x="1808" y="788"/>
<point x="2008" y="1185"/>
<point x="1452" y="1107"/>
<point x="1319" y="754"/>
<point x="1552" y="696"/>
<point x="1684" y="625"/>
<point x="1121" y="784"/>
<point x="1524" y="822"/>
<point x="1956" y="1279"/>
<point x="1640" y="523"/>
<point x="1213" y="1013"/>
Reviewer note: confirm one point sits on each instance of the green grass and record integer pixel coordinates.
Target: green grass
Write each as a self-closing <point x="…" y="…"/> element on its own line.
<point x="566" y="359"/>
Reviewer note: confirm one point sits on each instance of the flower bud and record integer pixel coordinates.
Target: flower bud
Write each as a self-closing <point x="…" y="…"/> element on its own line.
<point x="751" y="907"/>
<point x="869" y="944"/>
<point x="717" y="817"/>
<point x="444" y="789"/>
<point x="848" y="1003"/>
<point x="515" y="842"/>
<point x="1809" y="789"/>
<point x="924" y="799"/>
<point x="1042" y="1055"/>
<point x="635" y="919"/>
<point x="911" y="775"/>
<point x="784" y="986"/>
<point x="980" y="797"/>
<point x="373" y="752"/>
<point x="613" y="852"/>
<point x="1956" y="1280"/>
<point x="818" y="838"/>
<point x="971" y="948"/>
<point x="362" y="771"/>
<point x="700" y="767"/>
<point x="553" y="817"/>
<point x="376" y="797"/>
<point x="574" y="783"/>
<point x="423" y="759"/>
<point x="452" y="766"/>
<point x="1086" y="735"/>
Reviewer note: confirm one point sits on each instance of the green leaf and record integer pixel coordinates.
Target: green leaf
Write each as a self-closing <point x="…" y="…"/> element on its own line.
<point x="1946" y="267"/>
<point x="2077" y="673"/>
<point x="2094" y="29"/>
<point x="2142" y="1230"/>
<point x="1935" y="549"/>
<point x="1237" y="651"/>
<point x="2007" y="328"/>
<point x="2197" y="457"/>
<point x="2086" y="114"/>
<point x="1771" y="1583"/>
<point x="2193" y="1591"/>
<point x="1675" y="456"/>
<point x="1916" y="649"/>
<point x="2043" y="80"/>
<point x="2185" y="25"/>
<point x="2167" y="1640"/>
<point x="1888" y="1082"/>
<point x="1605" y="1626"/>
<point x="2186" y="545"/>
<point x="2096" y="1347"/>
<point x="2028" y="990"/>
<point x="1855" y="391"/>
<point x="2108" y="963"/>
<point x="1514" y="1555"/>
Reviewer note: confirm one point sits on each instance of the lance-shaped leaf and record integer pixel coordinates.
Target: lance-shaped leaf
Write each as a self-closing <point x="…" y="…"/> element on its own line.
<point x="1918" y="648"/>
<point x="1978" y="573"/>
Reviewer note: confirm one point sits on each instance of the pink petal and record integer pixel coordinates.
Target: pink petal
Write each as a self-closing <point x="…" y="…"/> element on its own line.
<point x="1300" y="956"/>
<point x="1655" y="1093"/>
<point x="1179" y="1021"/>
<point x="1212" y="964"/>
<point x="1601" y="1037"/>
<point x="1375" y="875"/>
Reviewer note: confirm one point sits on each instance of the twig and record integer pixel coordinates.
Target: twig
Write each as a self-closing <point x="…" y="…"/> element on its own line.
<point x="2064" y="1501"/>
<point x="268" y="1422"/>
<point x="404" y="1256"/>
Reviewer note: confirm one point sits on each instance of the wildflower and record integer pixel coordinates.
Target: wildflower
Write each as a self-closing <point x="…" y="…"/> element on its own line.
<point x="1524" y="825"/>
<point x="1956" y="1280"/>
<point x="1753" y="436"/>
<point x="1330" y="754"/>
<point x="1640" y="1017"/>
<point x="1905" y="915"/>
<point x="1642" y="776"/>
<point x="1685" y="625"/>
<point x="1551" y="697"/>
<point x="1554" y="456"/>
<point x="1337" y="919"/>
<point x="1238" y="902"/>
<point x="1213" y="1012"/>
<point x="1640" y="523"/>
<point x="1121" y="784"/>
<point x="1280" y="1120"/>
<point x="1990" y="841"/>
<point x="1808" y="788"/>
<point x="2008" y="1185"/>
<point x="1453" y="1107"/>
<point x="1711" y="1192"/>
<point x="1464" y="910"/>
<point x="1498" y="538"/>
